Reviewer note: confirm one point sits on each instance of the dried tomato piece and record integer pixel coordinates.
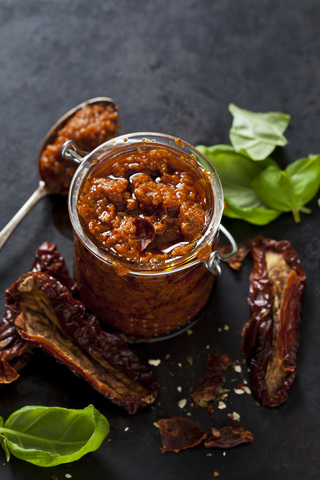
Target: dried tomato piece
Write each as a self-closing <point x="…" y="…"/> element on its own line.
<point x="14" y="351"/>
<point x="145" y="232"/>
<point x="178" y="433"/>
<point x="209" y="386"/>
<point x="52" y="319"/>
<point x="270" y="340"/>
<point x="49" y="260"/>
<point x="228" y="437"/>
<point x="235" y="262"/>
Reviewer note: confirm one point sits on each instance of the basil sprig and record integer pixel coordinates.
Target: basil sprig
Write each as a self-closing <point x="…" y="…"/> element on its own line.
<point x="49" y="436"/>
<point x="255" y="188"/>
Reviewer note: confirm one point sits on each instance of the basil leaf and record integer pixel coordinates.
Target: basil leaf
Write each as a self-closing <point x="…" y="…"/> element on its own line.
<point x="274" y="188"/>
<point x="48" y="436"/>
<point x="236" y="173"/>
<point x="3" y="441"/>
<point x="255" y="215"/>
<point x="257" y="134"/>
<point x="305" y="177"/>
<point x="290" y="189"/>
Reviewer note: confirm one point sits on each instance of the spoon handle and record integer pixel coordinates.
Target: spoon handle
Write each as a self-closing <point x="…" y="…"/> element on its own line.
<point x="7" y="231"/>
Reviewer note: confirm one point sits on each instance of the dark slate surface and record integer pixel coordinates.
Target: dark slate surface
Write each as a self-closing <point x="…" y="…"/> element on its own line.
<point x="172" y="67"/>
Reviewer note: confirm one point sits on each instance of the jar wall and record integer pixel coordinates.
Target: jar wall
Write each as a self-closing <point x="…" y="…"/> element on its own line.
<point x="141" y="306"/>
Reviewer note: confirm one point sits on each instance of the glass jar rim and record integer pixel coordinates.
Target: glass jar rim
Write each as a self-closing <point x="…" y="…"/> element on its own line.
<point x="120" y="145"/>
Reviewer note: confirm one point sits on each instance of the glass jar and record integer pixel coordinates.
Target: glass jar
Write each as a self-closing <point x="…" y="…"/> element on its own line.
<point x="146" y="300"/>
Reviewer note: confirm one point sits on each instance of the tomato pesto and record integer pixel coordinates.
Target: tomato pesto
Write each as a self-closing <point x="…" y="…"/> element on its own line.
<point x="147" y="206"/>
<point x="91" y="126"/>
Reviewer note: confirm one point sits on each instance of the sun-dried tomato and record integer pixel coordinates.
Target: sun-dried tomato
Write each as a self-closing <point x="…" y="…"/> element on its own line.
<point x="270" y="340"/>
<point x="14" y="351"/>
<point x="178" y="433"/>
<point x="209" y="386"/>
<point x="52" y="319"/>
<point x="228" y="437"/>
<point x="236" y="260"/>
<point x="145" y="232"/>
<point x="49" y="260"/>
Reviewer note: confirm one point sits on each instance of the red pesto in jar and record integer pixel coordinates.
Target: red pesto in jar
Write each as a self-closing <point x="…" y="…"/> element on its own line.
<point x="146" y="207"/>
<point x="141" y="215"/>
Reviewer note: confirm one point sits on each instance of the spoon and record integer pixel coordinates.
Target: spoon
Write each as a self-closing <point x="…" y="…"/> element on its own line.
<point x="43" y="188"/>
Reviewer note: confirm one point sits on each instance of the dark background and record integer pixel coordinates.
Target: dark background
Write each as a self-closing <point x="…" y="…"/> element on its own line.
<point x="172" y="67"/>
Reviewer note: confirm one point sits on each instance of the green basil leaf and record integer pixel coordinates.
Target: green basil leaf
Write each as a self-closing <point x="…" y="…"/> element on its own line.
<point x="305" y="178"/>
<point x="255" y="215"/>
<point x="290" y="189"/>
<point x="236" y="173"/>
<point x="48" y="436"/>
<point x="257" y="134"/>
<point x="3" y="441"/>
<point x="273" y="187"/>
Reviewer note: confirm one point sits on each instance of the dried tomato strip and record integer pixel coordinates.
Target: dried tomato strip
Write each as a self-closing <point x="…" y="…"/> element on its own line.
<point x="236" y="260"/>
<point x="14" y="351"/>
<point x="209" y="386"/>
<point x="49" y="260"/>
<point x="178" y="433"/>
<point x="228" y="437"/>
<point x="270" y="340"/>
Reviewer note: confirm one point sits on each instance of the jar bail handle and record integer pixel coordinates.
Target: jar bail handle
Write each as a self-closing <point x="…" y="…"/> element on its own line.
<point x="71" y="151"/>
<point x="213" y="262"/>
